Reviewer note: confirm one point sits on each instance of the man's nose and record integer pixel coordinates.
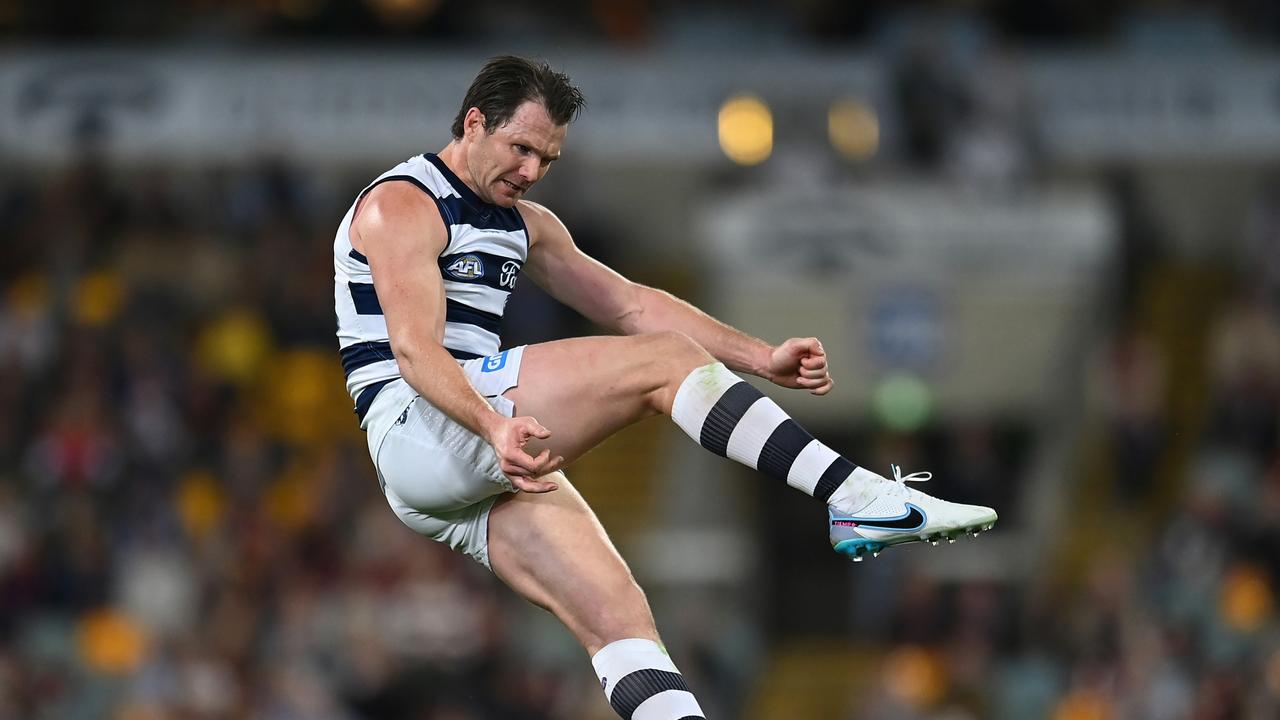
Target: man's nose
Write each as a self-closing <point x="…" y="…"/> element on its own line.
<point x="529" y="169"/>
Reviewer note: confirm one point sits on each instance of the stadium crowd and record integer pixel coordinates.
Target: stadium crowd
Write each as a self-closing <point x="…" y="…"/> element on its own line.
<point x="189" y="527"/>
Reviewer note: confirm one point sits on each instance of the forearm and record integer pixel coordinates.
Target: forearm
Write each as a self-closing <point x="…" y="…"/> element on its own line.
<point x="653" y="310"/>
<point x="435" y="375"/>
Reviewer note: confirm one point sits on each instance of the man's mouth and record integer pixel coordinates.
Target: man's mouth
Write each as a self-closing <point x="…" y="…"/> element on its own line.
<point x="514" y="186"/>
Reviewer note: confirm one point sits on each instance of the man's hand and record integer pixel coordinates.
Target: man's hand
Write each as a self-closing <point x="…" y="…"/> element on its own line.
<point x="508" y="436"/>
<point x="800" y="363"/>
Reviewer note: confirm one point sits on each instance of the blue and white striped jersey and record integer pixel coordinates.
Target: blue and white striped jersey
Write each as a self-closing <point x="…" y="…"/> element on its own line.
<point x="487" y="247"/>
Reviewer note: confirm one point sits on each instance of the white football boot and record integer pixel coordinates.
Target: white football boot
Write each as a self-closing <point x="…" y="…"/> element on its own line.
<point x="896" y="514"/>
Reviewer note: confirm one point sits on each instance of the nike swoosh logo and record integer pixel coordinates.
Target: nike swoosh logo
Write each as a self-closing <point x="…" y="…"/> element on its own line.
<point x="912" y="519"/>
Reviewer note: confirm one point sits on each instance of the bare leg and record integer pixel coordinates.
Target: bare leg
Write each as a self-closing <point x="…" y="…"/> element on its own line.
<point x="551" y="549"/>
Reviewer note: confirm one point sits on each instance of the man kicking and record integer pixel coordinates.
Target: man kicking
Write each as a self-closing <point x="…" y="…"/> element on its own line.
<point x="468" y="440"/>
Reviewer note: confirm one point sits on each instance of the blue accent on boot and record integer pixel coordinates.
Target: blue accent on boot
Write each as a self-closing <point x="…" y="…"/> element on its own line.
<point x="856" y="547"/>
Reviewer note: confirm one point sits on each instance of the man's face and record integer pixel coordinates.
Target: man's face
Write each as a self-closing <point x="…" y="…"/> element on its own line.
<point x="504" y="164"/>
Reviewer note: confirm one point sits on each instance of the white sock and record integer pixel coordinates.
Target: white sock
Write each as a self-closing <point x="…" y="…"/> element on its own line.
<point x="731" y="418"/>
<point x="642" y="683"/>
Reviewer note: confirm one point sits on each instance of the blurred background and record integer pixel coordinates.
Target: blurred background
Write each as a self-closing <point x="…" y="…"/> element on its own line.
<point x="1040" y="241"/>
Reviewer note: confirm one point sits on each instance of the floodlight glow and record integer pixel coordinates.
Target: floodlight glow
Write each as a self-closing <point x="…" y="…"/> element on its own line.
<point x="746" y="130"/>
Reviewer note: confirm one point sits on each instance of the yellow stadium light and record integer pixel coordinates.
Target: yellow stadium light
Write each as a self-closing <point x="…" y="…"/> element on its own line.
<point x="853" y="128"/>
<point x="746" y="130"/>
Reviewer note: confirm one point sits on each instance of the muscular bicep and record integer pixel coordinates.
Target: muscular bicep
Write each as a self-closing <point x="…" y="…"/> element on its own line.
<point x="574" y="278"/>
<point x="400" y="231"/>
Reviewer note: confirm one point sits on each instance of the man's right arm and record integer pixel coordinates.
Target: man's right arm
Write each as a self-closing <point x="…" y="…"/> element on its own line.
<point x="400" y="231"/>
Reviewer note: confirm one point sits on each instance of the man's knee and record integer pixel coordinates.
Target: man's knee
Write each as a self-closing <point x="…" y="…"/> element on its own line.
<point x="625" y="615"/>
<point x="670" y="355"/>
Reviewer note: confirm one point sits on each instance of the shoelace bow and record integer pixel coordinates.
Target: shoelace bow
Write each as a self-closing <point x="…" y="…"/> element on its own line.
<point x="913" y="477"/>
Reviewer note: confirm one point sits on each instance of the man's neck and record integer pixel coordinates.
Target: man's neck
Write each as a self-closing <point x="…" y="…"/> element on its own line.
<point x="452" y="157"/>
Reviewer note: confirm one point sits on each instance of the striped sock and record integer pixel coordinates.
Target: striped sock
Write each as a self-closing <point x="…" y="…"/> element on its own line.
<point x="642" y="683"/>
<point x="729" y="417"/>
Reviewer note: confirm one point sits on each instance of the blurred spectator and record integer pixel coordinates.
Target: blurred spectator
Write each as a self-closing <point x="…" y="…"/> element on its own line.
<point x="1129" y="385"/>
<point x="1245" y="377"/>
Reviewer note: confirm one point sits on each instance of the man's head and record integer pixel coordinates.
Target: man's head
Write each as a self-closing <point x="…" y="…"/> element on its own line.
<point x="511" y="125"/>
<point x="505" y="83"/>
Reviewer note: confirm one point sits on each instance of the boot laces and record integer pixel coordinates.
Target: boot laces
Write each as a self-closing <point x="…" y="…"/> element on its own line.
<point x="900" y="481"/>
<point x="913" y="477"/>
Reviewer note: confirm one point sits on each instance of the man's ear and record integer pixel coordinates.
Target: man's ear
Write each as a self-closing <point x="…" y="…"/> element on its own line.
<point x="473" y="122"/>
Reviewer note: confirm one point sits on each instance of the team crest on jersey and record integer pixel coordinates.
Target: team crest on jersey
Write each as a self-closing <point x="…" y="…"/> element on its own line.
<point x="467" y="267"/>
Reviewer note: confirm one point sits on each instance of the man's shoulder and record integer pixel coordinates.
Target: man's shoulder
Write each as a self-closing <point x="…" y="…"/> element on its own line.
<point x="539" y="219"/>
<point x="394" y="201"/>
<point x="532" y="210"/>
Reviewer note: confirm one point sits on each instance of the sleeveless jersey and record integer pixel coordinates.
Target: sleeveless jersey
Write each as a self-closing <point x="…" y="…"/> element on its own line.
<point x="488" y="245"/>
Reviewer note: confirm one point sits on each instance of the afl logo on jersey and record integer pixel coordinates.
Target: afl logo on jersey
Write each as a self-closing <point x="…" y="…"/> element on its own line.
<point x="467" y="267"/>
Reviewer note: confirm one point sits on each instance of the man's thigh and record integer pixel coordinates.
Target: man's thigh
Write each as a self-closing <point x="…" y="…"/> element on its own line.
<point x="585" y="389"/>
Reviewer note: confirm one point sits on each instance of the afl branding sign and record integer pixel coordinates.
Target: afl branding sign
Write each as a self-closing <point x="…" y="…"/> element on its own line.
<point x="467" y="267"/>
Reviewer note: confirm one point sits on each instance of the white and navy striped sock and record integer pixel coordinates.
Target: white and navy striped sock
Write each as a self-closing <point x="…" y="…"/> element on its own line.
<point x="729" y="417"/>
<point x="642" y="683"/>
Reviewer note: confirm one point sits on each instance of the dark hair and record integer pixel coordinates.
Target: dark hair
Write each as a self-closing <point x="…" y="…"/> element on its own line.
<point x="506" y="82"/>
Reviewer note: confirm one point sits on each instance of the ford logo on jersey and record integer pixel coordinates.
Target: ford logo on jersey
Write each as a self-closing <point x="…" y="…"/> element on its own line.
<point x="467" y="267"/>
<point x="507" y="279"/>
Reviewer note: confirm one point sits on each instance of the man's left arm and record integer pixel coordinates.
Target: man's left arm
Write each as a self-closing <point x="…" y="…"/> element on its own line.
<point x="612" y="301"/>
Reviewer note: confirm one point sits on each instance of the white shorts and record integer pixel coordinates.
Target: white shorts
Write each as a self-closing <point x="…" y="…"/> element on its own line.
<point x="440" y="478"/>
